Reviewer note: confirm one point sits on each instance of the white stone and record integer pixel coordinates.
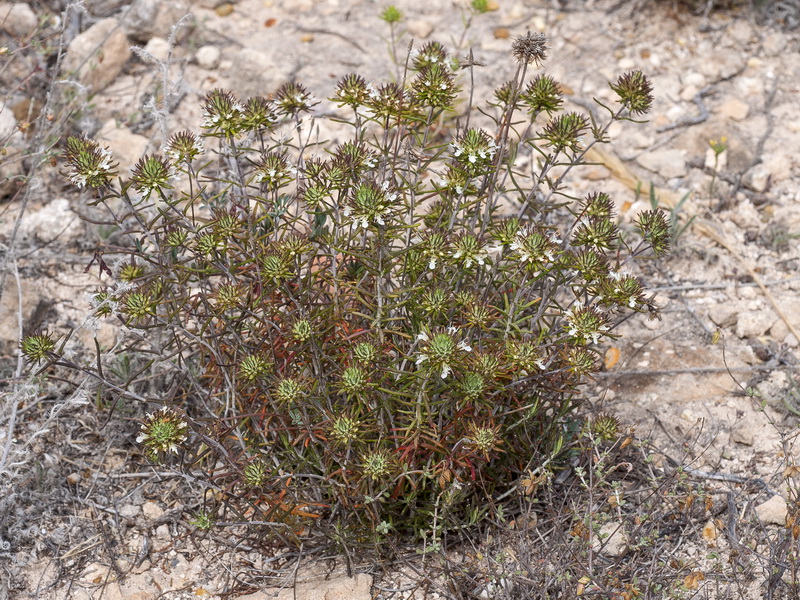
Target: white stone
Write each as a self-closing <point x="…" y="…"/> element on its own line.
<point x="611" y="540"/>
<point x="753" y="324"/>
<point x="742" y="434"/>
<point x="55" y="219"/>
<point x="98" y="54"/>
<point x="146" y="19"/>
<point x="208" y="57"/>
<point x="152" y="510"/>
<point x="158" y="48"/>
<point x="668" y="163"/>
<point x="734" y="109"/>
<point x="722" y="64"/>
<point x="17" y="18"/>
<point x="773" y="511"/>
<point x="129" y="511"/>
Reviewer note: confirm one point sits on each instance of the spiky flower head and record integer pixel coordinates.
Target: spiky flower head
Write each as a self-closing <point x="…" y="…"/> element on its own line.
<point x="352" y="90"/>
<point x="655" y="229"/>
<point x="473" y="386"/>
<point x="162" y="432"/>
<point x="479" y="315"/>
<point x="130" y="271"/>
<point x="259" y="115"/>
<point x="274" y="171"/>
<point x="598" y="205"/>
<point x="392" y="14"/>
<point x="469" y="250"/>
<point x="275" y="266"/>
<point x="302" y="330"/>
<point x="530" y="48"/>
<point x="442" y="351"/>
<point x="90" y="164"/>
<point x="207" y="244"/>
<point x="606" y="427"/>
<point x="176" y="237"/>
<point x="370" y="203"/>
<point x="505" y="233"/>
<point x="103" y="303"/>
<point x="435" y="86"/>
<point x="293" y="98"/>
<point x="484" y="438"/>
<point x="597" y="233"/>
<point x="355" y="158"/>
<point x="390" y="100"/>
<point x="620" y="288"/>
<point x="38" y="346"/>
<point x="435" y="248"/>
<point x="288" y="390"/>
<point x="474" y="150"/>
<point x="139" y="305"/>
<point x="253" y="367"/>
<point x="581" y="361"/>
<point x="376" y="465"/>
<point x="504" y="94"/>
<point x="432" y="53"/>
<point x="365" y="353"/>
<point x="255" y="474"/>
<point x="585" y="324"/>
<point x="590" y="264"/>
<point x="435" y="303"/>
<point x="183" y="147"/>
<point x="542" y="95"/>
<point x="152" y="174"/>
<point x="525" y="356"/>
<point x="536" y="247"/>
<point x="565" y="131"/>
<point x="354" y="381"/>
<point x="345" y="430"/>
<point x="222" y="114"/>
<point x="634" y="91"/>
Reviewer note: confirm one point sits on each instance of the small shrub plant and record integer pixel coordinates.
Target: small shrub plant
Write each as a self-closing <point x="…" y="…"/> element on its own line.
<point x="382" y="336"/>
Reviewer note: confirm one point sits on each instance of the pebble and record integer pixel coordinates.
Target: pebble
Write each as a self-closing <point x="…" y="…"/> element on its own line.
<point x="773" y="511"/>
<point x="741" y="434"/>
<point x="612" y="540"/>
<point x="152" y="510"/>
<point x="126" y="147"/>
<point x="753" y="324"/>
<point x="17" y="18"/>
<point x="129" y="511"/>
<point x="208" y="57"/>
<point x="158" y="48"/>
<point x="722" y="64"/>
<point x="734" y="109"/>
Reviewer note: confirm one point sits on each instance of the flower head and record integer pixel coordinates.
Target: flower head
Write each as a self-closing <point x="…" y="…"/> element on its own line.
<point x="474" y="151"/>
<point x="91" y="165"/>
<point x="152" y="173"/>
<point x="38" y="346"/>
<point x="370" y="203"/>
<point x="183" y="147"/>
<point x="634" y="91"/>
<point x="222" y="113"/>
<point x="162" y="431"/>
<point x="442" y="350"/>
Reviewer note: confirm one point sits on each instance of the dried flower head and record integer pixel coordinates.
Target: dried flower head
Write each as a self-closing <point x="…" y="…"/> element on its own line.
<point x="530" y="48"/>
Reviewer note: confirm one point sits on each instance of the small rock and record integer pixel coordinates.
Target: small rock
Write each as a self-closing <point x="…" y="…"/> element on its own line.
<point x="611" y="540"/>
<point x="224" y="9"/>
<point x="773" y="511"/>
<point x="742" y="434"/>
<point x="668" y="163"/>
<point x="714" y="161"/>
<point x="55" y="219"/>
<point x="696" y="80"/>
<point x="74" y="478"/>
<point x="208" y="57"/>
<point x="753" y="324"/>
<point x="722" y="64"/>
<point x="420" y="28"/>
<point x="8" y="122"/>
<point x="724" y="314"/>
<point x="734" y="109"/>
<point x="17" y="18"/>
<point x="158" y="48"/>
<point x="501" y="33"/>
<point x="129" y="511"/>
<point x="152" y="510"/>
<point x="98" y="54"/>
<point x="162" y="532"/>
<point x="146" y="19"/>
<point x="256" y="72"/>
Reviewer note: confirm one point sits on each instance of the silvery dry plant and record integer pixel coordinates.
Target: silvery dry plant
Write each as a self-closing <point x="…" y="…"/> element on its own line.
<point x="375" y="335"/>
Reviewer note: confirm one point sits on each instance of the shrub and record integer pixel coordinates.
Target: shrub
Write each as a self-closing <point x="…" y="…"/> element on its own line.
<point x="384" y="335"/>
